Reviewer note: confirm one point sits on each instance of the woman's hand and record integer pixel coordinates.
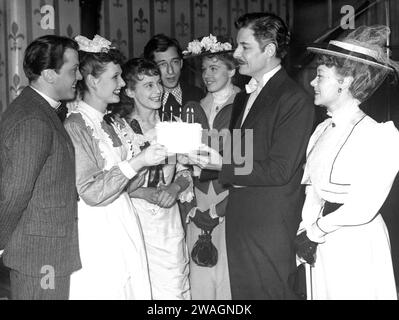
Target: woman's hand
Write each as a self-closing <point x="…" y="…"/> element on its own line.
<point x="168" y="195"/>
<point x="151" y="156"/>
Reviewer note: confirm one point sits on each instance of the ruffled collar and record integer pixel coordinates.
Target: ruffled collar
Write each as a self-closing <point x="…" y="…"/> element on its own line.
<point x="93" y="113"/>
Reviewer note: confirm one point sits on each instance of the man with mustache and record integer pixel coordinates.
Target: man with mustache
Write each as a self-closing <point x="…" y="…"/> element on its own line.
<point x="38" y="198"/>
<point x="167" y="54"/>
<point x="264" y="206"/>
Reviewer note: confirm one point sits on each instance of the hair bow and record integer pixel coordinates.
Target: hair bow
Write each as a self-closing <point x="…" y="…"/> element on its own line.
<point x="97" y="45"/>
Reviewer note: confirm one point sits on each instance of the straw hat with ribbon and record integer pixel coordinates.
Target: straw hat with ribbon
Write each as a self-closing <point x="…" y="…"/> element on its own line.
<point x="365" y="44"/>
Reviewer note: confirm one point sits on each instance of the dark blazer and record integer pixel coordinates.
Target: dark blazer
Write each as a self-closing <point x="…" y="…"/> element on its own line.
<point x="38" y="198"/>
<point x="263" y="215"/>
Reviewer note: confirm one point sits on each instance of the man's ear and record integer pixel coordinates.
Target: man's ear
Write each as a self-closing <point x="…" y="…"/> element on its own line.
<point x="49" y="75"/>
<point x="270" y="50"/>
<point x="181" y="63"/>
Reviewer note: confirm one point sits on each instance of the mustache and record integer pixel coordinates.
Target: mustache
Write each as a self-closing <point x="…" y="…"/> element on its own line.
<point x="239" y="62"/>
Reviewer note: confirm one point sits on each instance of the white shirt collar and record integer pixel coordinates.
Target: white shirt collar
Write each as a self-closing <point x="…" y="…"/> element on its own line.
<point x="54" y="104"/>
<point x="253" y="84"/>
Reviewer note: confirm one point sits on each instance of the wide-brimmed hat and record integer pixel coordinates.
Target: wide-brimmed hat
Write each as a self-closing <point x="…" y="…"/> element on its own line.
<point x="366" y="44"/>
<point x="209" y="45"/>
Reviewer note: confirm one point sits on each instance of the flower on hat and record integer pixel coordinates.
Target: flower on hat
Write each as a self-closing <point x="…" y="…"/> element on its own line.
<point x="98" y="44"/>
<point x="207" y="44"/>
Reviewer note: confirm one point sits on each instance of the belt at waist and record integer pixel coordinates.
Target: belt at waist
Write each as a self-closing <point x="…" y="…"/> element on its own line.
<point x="330" y="207"/>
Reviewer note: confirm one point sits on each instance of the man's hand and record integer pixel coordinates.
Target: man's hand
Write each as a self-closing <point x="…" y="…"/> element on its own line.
<point x="305" y="248"/>
<point x="205" y="158"/>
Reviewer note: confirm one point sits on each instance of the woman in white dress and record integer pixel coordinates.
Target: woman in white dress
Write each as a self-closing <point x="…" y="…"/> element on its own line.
<point x="112" y="250"/>
<point x="351" y="164"/>
<point x="156" y="200"/>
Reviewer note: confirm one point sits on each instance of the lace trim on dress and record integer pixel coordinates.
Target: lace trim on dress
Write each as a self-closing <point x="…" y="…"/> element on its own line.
<point x="90" y="117"/>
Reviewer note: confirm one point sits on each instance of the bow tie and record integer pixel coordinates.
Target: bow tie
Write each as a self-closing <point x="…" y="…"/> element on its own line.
<point x="251" y="86"/>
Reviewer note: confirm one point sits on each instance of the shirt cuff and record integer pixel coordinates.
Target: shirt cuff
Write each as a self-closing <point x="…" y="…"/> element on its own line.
<point x="127" y="170"/>
<point x="316" y="234"/>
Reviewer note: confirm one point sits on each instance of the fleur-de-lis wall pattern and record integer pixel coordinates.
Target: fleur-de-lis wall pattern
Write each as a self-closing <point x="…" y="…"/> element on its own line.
<point x="182" y="19"/>
<point x="14" y="37"/>
<point x="128" y="23"/>
<point x="19" y="25"/>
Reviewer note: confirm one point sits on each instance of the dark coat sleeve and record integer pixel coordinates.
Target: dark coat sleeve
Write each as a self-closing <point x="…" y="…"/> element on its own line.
<point x="24" y="152"/>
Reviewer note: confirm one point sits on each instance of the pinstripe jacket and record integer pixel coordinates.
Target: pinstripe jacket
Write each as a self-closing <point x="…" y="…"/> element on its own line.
<point x="38" y="198"/>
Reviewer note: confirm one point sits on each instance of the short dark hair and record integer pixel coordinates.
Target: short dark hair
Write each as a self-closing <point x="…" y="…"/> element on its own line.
<point x="268" y="28"/>
<point x="46" y="52"/>
<point x="160" y="43"/>
<point x="366" y="78"/>
<point x="132" y="72"/>
<point x="95" y="63"/>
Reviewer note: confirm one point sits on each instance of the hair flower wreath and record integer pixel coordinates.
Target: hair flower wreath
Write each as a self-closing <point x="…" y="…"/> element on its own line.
<point x="207" y="45"/>
<point x="97" y="45"/>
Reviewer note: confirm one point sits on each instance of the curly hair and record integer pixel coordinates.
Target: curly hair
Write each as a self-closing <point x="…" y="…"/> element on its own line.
<point x="366" y="78"/>
<point x="95" y="64"/>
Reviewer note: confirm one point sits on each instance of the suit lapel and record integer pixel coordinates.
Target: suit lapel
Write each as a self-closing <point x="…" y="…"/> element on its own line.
<point x="238" y="110"/>
<point x="52" y="115"/>
<point x="266" y="97"/>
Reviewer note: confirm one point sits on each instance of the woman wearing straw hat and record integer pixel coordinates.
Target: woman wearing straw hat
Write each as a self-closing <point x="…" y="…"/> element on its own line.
<point x="351" y="164"/>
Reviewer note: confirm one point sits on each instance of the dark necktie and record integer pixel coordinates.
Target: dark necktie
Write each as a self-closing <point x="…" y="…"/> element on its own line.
<point x="172" y="103"/>
<point x="62" y="111"/>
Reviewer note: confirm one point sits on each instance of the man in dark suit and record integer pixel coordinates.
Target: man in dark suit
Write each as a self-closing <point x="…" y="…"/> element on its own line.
<point x="38" y="198"/>
<point x="167" y="54"/>
<point x="265" y="200"/>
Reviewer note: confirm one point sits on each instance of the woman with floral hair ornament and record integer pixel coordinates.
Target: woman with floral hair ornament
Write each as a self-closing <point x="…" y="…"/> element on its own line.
<point x="351" y="164"/>
<point x="108" y="169"/>
<point x="209" y="276"/>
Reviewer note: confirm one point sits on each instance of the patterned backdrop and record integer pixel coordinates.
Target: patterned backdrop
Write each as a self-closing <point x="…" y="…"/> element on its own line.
<point x="128" y="23"/>
<point x="20" y="22"/>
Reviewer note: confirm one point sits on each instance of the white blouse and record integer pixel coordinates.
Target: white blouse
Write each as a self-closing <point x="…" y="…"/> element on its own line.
<point x="352" y="160"/>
